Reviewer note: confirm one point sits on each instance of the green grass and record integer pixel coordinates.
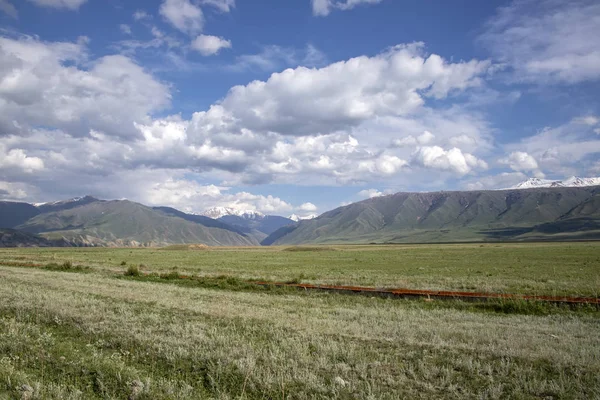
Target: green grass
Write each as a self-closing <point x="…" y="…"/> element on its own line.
<point x="81" y="324"/>
<point x="544" y="268"/>
<point x="91" y="336"/>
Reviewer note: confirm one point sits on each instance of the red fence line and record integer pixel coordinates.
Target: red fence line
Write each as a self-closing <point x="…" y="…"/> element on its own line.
<point x="436" y="294"/>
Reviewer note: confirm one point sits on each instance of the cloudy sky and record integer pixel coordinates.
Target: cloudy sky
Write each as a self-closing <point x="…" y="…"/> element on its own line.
<point x="293" y="106"/>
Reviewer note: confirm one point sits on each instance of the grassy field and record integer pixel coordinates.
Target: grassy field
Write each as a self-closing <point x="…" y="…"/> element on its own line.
<point x="91" y="332"/>
<point x="537" y="268"/>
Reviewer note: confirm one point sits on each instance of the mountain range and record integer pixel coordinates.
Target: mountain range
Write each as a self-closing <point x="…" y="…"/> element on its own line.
<point x="249" y="222"/>
<point x="88" y="221"/>
<point x="555" y="213"/>
<point x="535" y="210"/>
<point x="573" y="181"/>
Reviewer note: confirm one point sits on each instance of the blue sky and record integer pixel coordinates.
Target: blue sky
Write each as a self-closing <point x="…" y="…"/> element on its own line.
<point x="295" y="106"/>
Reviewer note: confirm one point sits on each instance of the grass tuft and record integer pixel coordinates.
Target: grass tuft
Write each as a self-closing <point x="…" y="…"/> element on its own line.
<point x="133" y="270"/>
<point x="66" y="266"/>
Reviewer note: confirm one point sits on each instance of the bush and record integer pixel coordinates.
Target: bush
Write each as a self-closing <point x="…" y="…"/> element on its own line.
<point x="123" y="262"/>
<point x="132" y="270"/>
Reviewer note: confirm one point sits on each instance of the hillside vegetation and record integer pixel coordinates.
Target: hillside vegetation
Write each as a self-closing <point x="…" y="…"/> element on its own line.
<point x="92" y="222"/>
<point x="533" y="214"/>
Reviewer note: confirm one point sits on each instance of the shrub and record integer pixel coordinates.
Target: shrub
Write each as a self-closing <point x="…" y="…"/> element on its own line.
<point x="123" y="262"/>
<point x="132" y="270"/>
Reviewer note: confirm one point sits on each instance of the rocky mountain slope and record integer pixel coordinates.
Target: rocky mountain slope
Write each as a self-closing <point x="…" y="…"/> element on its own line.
<point x="539" y="213"/>
<point x="250" y="222"/>
<point x="92" y="222"/>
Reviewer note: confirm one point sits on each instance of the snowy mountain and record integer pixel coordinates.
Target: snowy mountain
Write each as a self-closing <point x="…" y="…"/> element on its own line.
<point x="65" y="204"/>
<point x="546" y="183"/>
<point x="296" y="218"/>
<point x="218" y="212"/>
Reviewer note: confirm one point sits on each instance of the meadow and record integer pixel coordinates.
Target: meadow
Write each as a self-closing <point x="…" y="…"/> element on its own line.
<point x="73" y="325"/>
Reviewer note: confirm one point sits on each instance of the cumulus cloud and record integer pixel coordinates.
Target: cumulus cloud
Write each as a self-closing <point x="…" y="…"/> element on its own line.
<point x="38" y="88"/>
<point x="563" y="150"/>
<point x="370" y="193"/>
<point x="183" y="15"/>
<point x="322" y="8"/>
<point x="191" y="196"/>
<point x="7" y="8"/>
<point x="410" y="140"/>
<point x="308" y="207"/>
<point x="342" y="95"/>
<point x="17" y="158"/>
<point x="209" y="45"/>
<point x="547" y="41"/>
<point x="520" y="161"/>
<point x="453" y="160"/>
<point x="69" y="4"/>
<point x="327" y="126"/>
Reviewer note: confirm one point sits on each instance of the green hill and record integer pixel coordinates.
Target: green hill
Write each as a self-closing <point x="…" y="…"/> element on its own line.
<point x="125" y="223"/>
<point x="533" y="214"/>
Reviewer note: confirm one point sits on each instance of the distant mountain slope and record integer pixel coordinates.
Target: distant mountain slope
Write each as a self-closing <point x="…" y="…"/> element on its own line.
<point x="14" y="213"/>
<point x="453" y="216"/>
<point x="15" y="238"/>
<point x="573" y="181"/>
<point x="199" y="219"/>
<point x="125" y="223"/>
<point x="65" y="204"/>
<point x="259" y="226"/>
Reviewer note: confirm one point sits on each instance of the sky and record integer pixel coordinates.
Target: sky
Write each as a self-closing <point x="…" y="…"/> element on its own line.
<point x="295" y="106"/>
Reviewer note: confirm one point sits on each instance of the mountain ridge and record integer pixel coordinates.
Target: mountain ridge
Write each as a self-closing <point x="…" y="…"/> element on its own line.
<point x="512" y="214"/>
<point x="88" y="221"/>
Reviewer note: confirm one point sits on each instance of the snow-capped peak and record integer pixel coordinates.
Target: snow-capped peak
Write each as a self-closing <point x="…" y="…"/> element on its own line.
<point x="68" y="201"/>
<point x="296" y="217"/>
<point x="218" y="212"/>
<point x="573" y="181"/>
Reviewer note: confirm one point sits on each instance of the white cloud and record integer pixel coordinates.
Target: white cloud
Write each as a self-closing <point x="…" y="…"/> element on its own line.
<point x="589" y="120"/>
<point x="209" y="45"/>
<point x="126" y="29"/>
<point x="563" y="150"/>
<point x="36" y="88"/>
<point x="425" y="138"/>
<point x="447" y="160"/>
<point x="7" y="8"/>
<point x="520" y="161"/>
<point x="344" y="94"/>
<point x="140" y="15"/>
<point x="547" y="41"/>
<point x="192" y="196"/>
<point x="13" y="191"/>
<point x="370" y="193"/>
<point x="183" y="15"/>
<point x="221" y="5"/>
<point x="323" y="7"/>
<point x="70" y="4"/>
<point x="308" y="207"/>
<point x="503" y="180"/>
<point x="320" y="126"/>
<point x="17" y="158"/>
